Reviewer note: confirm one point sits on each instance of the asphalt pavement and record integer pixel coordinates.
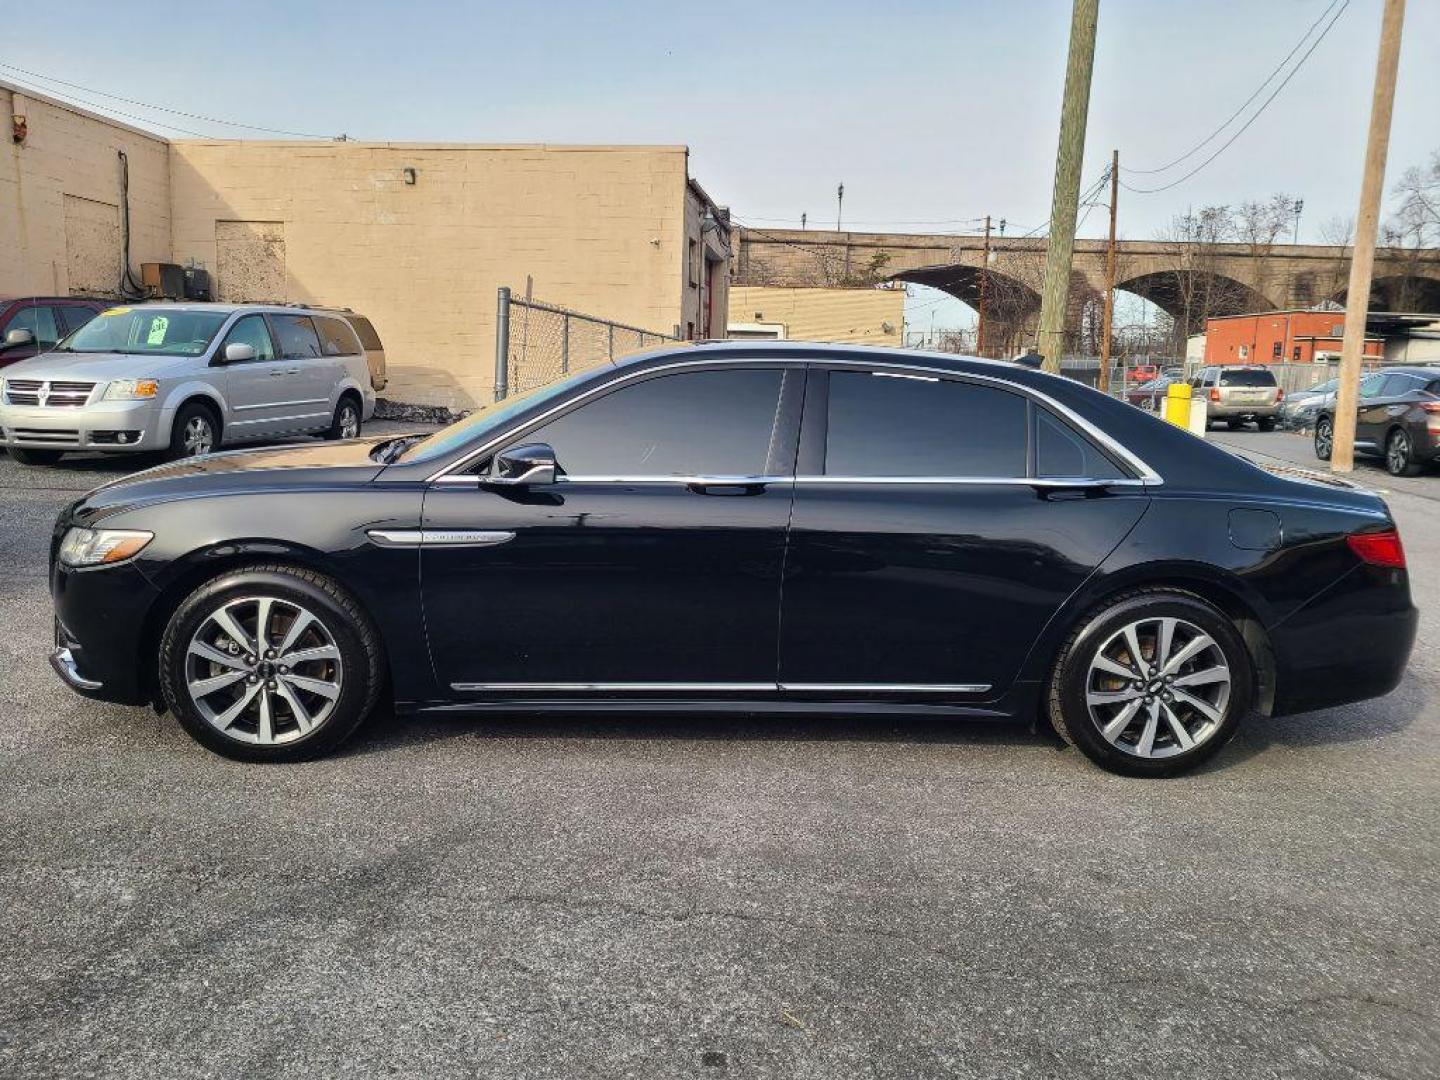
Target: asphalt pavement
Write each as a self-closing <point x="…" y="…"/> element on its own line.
<point x="682" y="896"/>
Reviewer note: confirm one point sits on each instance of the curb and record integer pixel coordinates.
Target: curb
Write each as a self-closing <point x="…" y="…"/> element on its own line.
<point x="386" y="409"/>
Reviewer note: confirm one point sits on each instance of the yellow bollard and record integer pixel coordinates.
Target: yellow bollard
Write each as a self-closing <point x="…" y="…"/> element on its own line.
<point x="1177" y="404"/>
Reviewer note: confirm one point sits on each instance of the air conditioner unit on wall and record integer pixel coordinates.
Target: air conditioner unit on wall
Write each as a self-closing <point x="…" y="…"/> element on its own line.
<point x="164" y="280"/>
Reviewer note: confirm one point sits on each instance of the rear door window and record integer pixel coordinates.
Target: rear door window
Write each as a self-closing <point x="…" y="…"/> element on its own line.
<point x="296" y="336"/>
<point x="906" y="425"/>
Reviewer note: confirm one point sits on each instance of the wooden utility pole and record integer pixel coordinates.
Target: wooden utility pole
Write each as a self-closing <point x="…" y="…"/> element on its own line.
<point x="1367" y="224"/>
<point x="1105" y="327"/>
<point x="1065" y="199"/>
<point x="984" y="281"/>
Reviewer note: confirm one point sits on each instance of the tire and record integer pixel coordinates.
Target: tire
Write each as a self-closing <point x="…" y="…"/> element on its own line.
<point x="257" y="714"/>
<point x="36" y="457"/>
<point x="1208" y="726"/>
<point x="1324" y="438"/>
<point x="1266" y="423"/>
<point x="1399" y="455"/>
<point x="196" y="431"/>
<point x="1235" y="424"/>
<point x="346" y="422"/>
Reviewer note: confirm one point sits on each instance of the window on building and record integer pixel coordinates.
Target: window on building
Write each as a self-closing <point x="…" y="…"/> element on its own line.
<point x="886" y="425"/>
<point x="1278" y="350"/>
<point x="297" y="337"/>
<point x="693" y="262"/>
<point x="1295" y="355"/>
<point x="703" y="423"/>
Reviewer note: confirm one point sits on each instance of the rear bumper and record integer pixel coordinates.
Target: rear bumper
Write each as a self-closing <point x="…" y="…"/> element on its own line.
<point x="1219" y="410"/>
<point x="91" y="428"/>
<point x="1350" y="643"/>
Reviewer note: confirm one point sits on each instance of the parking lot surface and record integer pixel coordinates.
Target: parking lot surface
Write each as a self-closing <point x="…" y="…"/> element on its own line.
<point x="701" y="897"/>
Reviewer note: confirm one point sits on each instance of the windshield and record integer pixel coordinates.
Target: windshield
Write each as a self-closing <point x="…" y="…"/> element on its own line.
<point x="147" y="331"/>
<point x="1247" y="378"/>
<point x="485" y="418"/>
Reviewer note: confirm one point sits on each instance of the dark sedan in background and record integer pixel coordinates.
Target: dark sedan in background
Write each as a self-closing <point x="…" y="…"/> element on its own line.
<point x="1397" y="419"/>
<point x="741" y="527"/>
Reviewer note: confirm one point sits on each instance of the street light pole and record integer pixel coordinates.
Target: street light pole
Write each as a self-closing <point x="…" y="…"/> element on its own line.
<point x="1367" y="223"/>
<point x="984" y="277"/>
<point x="1299" y="205"/>
<point x="1105" y="329"/>
<point x="839" y="205"/>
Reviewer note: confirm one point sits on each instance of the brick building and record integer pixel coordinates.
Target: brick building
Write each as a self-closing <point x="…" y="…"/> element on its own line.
<point x="417" y="236"/>
<point x="860" y="316"/>
<point x="1282" y="337"/>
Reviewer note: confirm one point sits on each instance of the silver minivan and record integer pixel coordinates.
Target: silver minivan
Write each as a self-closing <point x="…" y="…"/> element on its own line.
<point x="186" y="379"/>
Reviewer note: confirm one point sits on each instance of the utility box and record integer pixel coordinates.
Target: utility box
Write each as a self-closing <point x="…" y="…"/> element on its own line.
<point x="163" y="279"/>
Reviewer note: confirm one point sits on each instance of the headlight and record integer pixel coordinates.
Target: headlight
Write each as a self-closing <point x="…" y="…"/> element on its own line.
<point x="101" y="547"/>
<point x="131" y="389"/>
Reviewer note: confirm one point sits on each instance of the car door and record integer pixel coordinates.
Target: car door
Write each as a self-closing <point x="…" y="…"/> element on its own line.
<point x="652" y="564"/>
<point x="338" y="345"/>
<point x="1378" y="399"/>
<point x="306" y="383"/>
<point x="253" y="388"/>
<point x="939" y="523"/>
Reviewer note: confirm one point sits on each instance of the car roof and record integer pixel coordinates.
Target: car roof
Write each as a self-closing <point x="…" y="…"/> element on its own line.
<point x="227" y="309"/>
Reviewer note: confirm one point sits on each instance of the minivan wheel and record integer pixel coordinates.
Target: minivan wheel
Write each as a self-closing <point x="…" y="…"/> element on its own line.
<point x="272" y="663"/>
<point x="1266" y="423"/>
<point x="1153" y="684"/>
<point x="194" y="432"/>
<point x="1235" y="423"/>
<point x="1397" y="455"/>
<point x="1324" y="438"/>
<point x="346" y="422"/>
<point x="35" y="457"/>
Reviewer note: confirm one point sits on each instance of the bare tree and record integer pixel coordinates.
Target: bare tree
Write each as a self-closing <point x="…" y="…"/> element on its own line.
<point x="1414" y="227"/>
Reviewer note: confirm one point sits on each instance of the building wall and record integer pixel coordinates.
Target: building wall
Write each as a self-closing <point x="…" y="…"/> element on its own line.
<point x="60" y="200"/>
<point x="863" y="316"/>
<point x="1279" y="337"/>
<point x="601" y="230"/>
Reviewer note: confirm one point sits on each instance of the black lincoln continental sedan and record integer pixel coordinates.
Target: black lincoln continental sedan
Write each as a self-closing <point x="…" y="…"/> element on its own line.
<point x="749" y="527"/>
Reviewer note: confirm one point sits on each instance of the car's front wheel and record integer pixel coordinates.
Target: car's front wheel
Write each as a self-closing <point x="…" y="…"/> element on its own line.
<point x="271" y="663"/>
<point x="1324" y="438"/>
<point x="1152" y="684"/>
<point x="195" y="432"/>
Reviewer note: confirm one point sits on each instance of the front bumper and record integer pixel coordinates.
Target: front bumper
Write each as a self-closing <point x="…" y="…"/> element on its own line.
<point x="100" y="620"/>
<point x="91" y="428"/>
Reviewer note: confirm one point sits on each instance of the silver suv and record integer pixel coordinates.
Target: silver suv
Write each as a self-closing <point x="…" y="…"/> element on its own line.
<point x="1238" y="394"/>
<point x="186" y="379"/>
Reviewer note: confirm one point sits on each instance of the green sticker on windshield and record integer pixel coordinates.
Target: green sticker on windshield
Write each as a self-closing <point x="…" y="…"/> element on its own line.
<point x="158" y="326"/>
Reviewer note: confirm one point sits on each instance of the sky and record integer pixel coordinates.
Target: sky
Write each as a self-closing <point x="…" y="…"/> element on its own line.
<point x="926" y="111"/>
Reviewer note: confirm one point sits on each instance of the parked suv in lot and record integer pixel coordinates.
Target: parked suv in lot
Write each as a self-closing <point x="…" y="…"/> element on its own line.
<point x="187" y="378"/>
<point x="1398" y="418"/>
<point x="1239" y="394"/>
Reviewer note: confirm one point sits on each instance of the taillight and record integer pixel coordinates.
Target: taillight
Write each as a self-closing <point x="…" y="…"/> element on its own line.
<point x="1279" y="395"/>
<point x="1432" y="415"/>
<point x="1214" y="394"/>
<point x="1379" y="548"/>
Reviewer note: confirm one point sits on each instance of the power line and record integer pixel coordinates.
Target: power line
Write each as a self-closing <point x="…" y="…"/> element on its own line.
<point x="1254" y="116"/>
<point x="157" y="108"/>
<point x="1244" y="105"/>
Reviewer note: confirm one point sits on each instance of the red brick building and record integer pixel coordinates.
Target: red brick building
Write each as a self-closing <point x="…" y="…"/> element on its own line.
<point x="1281" y="337"/>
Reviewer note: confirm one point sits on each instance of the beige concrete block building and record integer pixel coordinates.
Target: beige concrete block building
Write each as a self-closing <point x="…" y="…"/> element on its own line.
<point x="860" y="316"/>
<point x="417" y="236"/>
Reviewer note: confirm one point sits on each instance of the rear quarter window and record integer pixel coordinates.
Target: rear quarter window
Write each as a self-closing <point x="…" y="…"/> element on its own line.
<point x="368" y="337"/>
<point x="336" y="337"/>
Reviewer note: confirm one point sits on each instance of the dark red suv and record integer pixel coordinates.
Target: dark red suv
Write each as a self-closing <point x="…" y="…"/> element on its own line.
<point x="33" y="324"/>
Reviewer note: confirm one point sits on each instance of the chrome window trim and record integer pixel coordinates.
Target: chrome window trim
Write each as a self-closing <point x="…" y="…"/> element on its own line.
<point x="1147" y="477"/>
<point x="438" y="538"/>
<point x="756" y="687"/>
<point x="981" y="481"/>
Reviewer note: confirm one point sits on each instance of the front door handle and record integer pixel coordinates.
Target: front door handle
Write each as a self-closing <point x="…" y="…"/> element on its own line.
<point x="727" y="487"/>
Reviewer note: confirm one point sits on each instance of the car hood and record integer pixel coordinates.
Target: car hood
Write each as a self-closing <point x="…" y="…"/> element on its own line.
<point x="305" y="465"/>
<point x="99" y="367"/>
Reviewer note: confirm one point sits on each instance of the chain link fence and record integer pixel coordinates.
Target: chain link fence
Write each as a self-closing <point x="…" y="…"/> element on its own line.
<point x="537" y="343"/>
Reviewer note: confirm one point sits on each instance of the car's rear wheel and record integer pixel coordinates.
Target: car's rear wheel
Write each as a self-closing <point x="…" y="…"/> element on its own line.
<point x="346" y="422"/>
<point x="1235" y="423"/>
<point x="1266" y="423"/>
<point x="35" y="457"/>
<point x="1324" y="438"/>
<point x="271" y="663"/>
<point x="1153" y="684"/>
<point x="1399" y="458"/>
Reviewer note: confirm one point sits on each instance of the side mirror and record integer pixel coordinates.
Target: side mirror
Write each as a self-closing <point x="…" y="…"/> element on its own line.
<point x="16" y="338"/>
<point x="237" y="352"/>
<point x="533" y="463"/>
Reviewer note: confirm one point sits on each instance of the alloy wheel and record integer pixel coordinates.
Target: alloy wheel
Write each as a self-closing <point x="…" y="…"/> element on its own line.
<point x="1324" y="439"/>
<point x="349" y="421"/>
<point x="199" y="437"/>
<point x="1397" y="453"/>
<point x="1158" y="687"/>
<point x="263" y="670"/>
